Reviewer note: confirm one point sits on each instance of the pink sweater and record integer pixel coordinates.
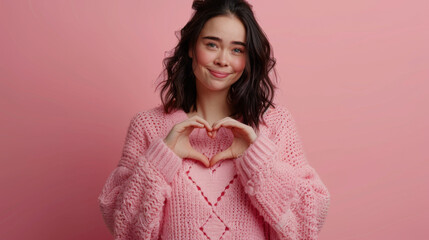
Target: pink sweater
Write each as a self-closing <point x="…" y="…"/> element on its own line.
<point x="270" y="192"/>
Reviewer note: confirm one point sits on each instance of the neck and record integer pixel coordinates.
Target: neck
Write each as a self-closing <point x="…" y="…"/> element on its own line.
<point x="212" y="106"/>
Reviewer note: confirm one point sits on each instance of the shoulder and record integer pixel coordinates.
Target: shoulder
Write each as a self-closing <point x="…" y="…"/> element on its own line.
<point x="152" y="114"/>
<point x="154" y="121"/>
<point x="278" y="120"/>
<point x="149" y="122"/>
<point x="277" y="114"/>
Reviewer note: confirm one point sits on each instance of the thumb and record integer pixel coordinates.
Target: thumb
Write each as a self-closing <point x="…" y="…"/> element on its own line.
<point x="220" y="156"/>
<point x="199" y="156"/>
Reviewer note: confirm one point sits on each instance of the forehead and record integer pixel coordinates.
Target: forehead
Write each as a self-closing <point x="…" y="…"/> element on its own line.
<point x="228" y="28"/>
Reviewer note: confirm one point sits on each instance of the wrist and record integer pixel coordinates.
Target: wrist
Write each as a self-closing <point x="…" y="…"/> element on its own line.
<point x="167" y="144"/>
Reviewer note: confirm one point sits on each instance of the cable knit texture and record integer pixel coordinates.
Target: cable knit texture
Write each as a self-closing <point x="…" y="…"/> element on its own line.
<point x="269" y="192"/>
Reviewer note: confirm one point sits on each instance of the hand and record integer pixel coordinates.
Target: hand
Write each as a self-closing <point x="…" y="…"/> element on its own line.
<point x="178" y="139"/>
<point x="244" y="135"/>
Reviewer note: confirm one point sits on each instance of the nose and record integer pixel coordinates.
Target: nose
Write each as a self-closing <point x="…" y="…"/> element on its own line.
<point x="221" y="59"/>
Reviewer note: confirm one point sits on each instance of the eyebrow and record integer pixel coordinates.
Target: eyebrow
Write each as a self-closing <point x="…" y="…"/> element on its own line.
<point x="220" y="40"/>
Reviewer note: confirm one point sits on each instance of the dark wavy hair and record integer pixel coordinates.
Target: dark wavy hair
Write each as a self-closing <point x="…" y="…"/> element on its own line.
<point x="252" y="94"/>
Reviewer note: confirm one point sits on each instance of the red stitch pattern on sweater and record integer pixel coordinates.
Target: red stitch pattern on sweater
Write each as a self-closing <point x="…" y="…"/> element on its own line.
<point x="214" y="221"/>
<point x="198" y="187"/>
<point x="210" y="204"/>
<point x="227" y="187"/>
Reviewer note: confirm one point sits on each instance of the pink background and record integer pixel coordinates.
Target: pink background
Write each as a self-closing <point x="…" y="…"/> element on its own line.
<point x="353" y="73"/>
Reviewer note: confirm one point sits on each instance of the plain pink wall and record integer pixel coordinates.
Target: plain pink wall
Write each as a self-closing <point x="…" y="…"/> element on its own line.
<point x="73" y="73"/>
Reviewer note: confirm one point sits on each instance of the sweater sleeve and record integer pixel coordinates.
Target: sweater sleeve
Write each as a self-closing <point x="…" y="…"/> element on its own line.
<point x="280" y="183"/>
<point x="133" y="197"/>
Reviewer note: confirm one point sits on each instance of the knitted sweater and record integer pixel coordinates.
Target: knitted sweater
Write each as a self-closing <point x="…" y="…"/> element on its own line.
<point x="269" y="192"/>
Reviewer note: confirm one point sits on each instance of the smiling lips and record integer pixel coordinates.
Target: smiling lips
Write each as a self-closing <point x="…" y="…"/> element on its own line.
<point x="218" y="74"/>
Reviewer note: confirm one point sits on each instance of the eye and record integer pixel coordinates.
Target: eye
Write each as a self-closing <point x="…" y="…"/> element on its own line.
<point x="211" y="45"/>
<point x="237" y="50"/>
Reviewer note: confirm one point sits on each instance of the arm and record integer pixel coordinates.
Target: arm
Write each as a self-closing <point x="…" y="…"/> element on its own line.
<point x="281" y="184"/>
<point x="133" y="197"/>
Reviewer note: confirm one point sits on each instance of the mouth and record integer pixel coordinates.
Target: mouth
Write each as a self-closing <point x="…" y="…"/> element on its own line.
<point x="218" y="74"/>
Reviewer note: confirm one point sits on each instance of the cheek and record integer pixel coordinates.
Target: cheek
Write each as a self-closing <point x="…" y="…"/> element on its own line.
<point x="203" y="57"/>
<point x="239" y="64"/>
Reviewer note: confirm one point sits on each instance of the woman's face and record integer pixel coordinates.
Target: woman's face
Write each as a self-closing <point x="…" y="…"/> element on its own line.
<point x="220" y="54"/>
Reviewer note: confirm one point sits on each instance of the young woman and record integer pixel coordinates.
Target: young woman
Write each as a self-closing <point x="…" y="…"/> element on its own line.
<point x="218" y="160"/>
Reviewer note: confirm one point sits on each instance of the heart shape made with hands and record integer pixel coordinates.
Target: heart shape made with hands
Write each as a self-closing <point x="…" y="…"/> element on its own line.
<point x="218" y="142"/>
<point x="240" y="141"/>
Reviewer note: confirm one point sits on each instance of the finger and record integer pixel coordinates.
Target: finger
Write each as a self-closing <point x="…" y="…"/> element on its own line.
<point x="227" y="122"/>
<point x="206" y="125"/>
<point x="221" y="156"/>
<point x="191" y="124"/>
<point x="231" y="124"/>
<point x="217" y="124"/>
<point x="213" y="134"/>
<point x="200" y="157"/>
<point x="201" y="120"/>
<point x="184" y="126"/>
<point x="241" y="128"/>
<point x="181" y="128"/>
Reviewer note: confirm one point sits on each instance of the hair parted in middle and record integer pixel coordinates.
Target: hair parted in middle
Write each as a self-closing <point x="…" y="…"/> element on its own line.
<point x="252" y="94"/>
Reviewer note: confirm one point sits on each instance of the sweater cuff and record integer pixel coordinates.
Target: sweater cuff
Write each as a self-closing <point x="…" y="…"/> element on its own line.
<point x="163" y="159"/>
<point x="257" y="157"/>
